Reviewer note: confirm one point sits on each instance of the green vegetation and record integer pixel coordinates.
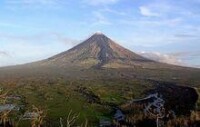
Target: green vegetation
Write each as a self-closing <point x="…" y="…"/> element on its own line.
<point x="58" y="98"/>
<point x="58" y="95"/>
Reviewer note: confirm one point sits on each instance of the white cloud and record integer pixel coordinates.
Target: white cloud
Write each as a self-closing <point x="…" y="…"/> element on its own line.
<point x="17" y="49"/>
<point x="61" y="38"/>
<point x="170" y="22"/>
<point x="157" y="8"/>
<point x="164" y="58"/>
<point x="4" y="54"/>
<point x="100" y="19"/>
<point x="145" y="11"/>
<point x="25" y="52"/>
<point x="100" y="2"/>
<point x="170" y="9"/>
<point x="115" y="12"/>
<point x="176" y="58"/>
<point x="186" y="35"/>
<point x="53" y="36"/>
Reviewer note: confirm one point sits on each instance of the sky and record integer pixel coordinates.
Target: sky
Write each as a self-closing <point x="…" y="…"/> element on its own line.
<point x="163" y="30"/>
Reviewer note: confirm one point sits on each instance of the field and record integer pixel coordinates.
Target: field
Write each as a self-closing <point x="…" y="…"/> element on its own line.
<point x="93" y="95"/>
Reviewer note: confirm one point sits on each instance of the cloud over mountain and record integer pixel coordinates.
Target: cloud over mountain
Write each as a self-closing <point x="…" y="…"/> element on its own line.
<point x="164" y="58"/>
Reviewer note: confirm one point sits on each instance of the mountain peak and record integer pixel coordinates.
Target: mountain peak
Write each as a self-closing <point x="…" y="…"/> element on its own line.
<point x="98" y="33"/>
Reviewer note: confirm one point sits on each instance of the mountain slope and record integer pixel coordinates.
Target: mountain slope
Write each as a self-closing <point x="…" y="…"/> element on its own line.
<point x="97" y="51"/>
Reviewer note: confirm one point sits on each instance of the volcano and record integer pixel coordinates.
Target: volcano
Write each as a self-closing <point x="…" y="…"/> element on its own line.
<point x="98" y="51"/>
<point x="98" y="57"/>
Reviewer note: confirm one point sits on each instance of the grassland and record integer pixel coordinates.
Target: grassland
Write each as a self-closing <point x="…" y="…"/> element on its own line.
<point x="54" y="89"/>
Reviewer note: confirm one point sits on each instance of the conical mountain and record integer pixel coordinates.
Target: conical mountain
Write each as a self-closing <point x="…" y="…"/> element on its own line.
<point x="97" y="51"/>
<point x="98" y="57"/>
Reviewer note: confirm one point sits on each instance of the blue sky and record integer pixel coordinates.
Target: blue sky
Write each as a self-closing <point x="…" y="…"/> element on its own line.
<point x="164" y="30"/>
